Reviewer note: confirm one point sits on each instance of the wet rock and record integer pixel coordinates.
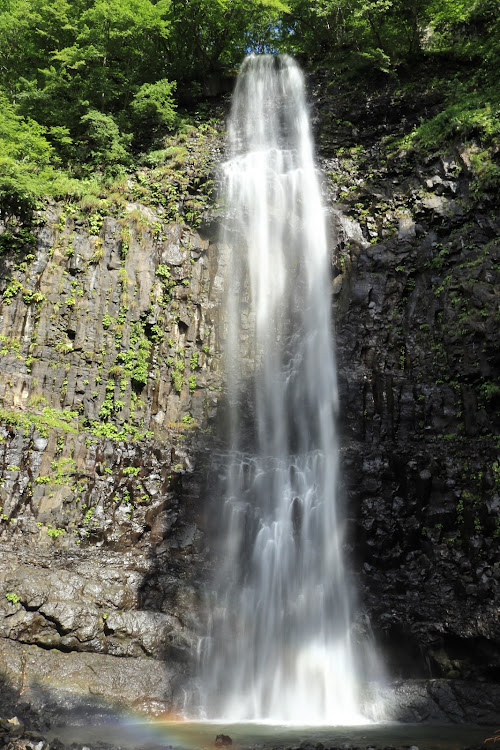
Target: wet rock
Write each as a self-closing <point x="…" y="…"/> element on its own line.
<point x="410" y="351"/>
<point x="223" y="740"/>
<point x="406" y="228"/>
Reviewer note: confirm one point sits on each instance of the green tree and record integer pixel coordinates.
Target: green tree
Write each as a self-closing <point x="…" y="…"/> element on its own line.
<point x="153" y="104"/>
<point x="380" y="32"/>
<point x="28" y="163"/>
<point x="102" y="144"/>
<point x="209" y="35"/>
<point x="62" y="62"/>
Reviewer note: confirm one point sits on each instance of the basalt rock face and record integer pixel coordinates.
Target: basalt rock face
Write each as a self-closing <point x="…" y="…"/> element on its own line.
<point x="109" y="376"/>
<point x="416" y="290"/>
<point x="110" y="340"/>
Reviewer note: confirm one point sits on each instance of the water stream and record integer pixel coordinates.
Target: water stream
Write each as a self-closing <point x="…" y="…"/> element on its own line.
<point x="280" y="646"/>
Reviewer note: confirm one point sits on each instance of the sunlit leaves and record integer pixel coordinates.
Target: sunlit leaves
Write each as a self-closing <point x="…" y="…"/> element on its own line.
<point x="27" y="162"/>
<point x="154" y="103"/>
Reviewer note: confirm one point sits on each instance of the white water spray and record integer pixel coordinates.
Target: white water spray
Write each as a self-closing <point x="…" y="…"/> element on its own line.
<point x="280" y="637"/>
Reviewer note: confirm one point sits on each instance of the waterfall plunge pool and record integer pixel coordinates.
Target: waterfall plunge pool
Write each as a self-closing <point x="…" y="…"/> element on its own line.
<point x="153" y="735"/>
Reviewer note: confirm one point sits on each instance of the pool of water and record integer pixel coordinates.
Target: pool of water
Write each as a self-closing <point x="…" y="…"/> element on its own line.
<point x="152" y="735"/>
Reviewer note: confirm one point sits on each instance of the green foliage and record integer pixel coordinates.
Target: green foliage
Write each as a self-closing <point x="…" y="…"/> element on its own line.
<point x="193" y="362"/>
<point x="367" y="38"/>
<point x="163" y="272"/>
<point x="153" y="104"/>
<point x="83" y="76"/>
<point x="61" y="472"/>
<point x="102" y="144"/>
<point x="470" y="116"/>
<point x="12" y="597"/>
<point x="157" y="333"/>
<point x="360" y="35"/>
<point x="11" y="291"/>
<point x="107" y="406"/>
<point x="211" y="33"/>
<point x="486" y="169"/>
<point x="91" y="90"/>
<point x="28" y="162"/>
<point x="54" y="533"/>
<point x="181" y="177"/>
<point x="48" y="419"/>
<point x="467" y="115"/>
<point x="140" y="371"/>
<point x="125" y="241"/>
<point x="177" y="375"/>
<point x="95" y="222"/>
<point x="74" y="70"/>
<point x="111" y="431"/>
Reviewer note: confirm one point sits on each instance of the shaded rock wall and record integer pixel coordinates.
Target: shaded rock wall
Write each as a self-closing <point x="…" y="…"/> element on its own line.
<point x="416" y="289"/>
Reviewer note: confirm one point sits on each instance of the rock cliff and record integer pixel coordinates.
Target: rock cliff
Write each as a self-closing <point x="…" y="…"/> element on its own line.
<point x="111" y="377"/>
<point x="110" y="370"/>
<point x="416" y="290"/>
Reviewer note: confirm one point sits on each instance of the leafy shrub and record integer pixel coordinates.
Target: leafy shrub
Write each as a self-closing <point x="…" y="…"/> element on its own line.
<point x="102" y="144"/>
<point x="28" y="163"/>
<point x="154" y="103"/>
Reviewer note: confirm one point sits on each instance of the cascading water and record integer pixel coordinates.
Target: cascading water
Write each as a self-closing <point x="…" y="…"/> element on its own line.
<point x="279" y="647"/>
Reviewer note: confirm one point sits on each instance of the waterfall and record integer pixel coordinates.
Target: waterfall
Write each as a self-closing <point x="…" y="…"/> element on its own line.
<point x="279" y="647"/>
